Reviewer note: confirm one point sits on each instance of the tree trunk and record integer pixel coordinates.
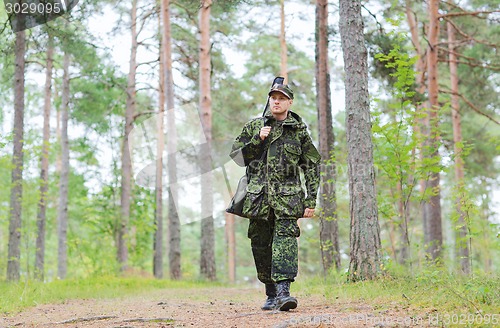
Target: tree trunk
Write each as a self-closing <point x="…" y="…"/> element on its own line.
<point x="16" y="194"/>
<point x="44" y="167"/>
<point x="207" y="258"/>
<point x="283" y="47"/>
<point x="174" y="226"/>
<point x="62" y="210"/>
<point x="126" y="160"/>
<point x="403" y="226"/>
<point x="421" y="68"/>
<point x="415" y="39"/>
<point x="231" y="247"/>
<point x="158" y="237"/>
<point x="58" y="136"/>
<point x="365" y="230"/>
<point x="432" y="207"/>
<point x="328" y="200"/>
<point x="462" y="240"/>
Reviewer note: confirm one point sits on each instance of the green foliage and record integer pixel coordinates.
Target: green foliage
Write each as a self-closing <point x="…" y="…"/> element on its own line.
<point x="398" y="145"/>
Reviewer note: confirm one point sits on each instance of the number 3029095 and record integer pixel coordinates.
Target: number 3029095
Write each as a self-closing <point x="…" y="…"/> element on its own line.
<point x="33" y="8"/>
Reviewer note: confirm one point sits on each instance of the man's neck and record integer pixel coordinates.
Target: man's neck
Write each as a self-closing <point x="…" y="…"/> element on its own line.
<point x="280" y="117"/>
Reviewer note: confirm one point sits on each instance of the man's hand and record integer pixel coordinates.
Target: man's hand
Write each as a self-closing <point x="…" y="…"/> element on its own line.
<point x="308" y="213"/>
<point x="264" y="132"/>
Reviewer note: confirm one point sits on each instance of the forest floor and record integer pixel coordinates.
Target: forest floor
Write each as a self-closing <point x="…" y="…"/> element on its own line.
<point x="212" y="307"/>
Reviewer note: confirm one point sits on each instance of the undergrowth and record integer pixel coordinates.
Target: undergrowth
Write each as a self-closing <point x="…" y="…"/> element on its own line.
<point x="425" y="294"/>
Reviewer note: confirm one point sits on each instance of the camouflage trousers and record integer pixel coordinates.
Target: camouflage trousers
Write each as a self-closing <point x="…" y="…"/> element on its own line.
<point x="274" y="247"/>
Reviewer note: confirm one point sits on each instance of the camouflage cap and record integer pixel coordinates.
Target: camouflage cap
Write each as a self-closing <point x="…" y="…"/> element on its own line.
<point x="283" y="88"/>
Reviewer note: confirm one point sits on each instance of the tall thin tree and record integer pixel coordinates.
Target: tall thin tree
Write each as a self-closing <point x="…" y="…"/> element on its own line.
<point x="126" y="178"/>
<point x="328" y="200"/>
<point x="231" y="246"/>
<point x="462" y="244"/>
<point x="432" y="206"/>
<point x="421" y="87"/>
<point x="16" y="193"/>
<point x="207" y="256"/>
<point x="174" y="227"/>
<point x="62" y="210"/>
<point x="44" y="164"/>
<point x="365" y="230"/>
<point x="158" y="237"/>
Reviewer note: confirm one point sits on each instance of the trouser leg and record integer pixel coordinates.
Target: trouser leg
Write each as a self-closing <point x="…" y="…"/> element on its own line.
<point x="260" y="233"/>
<point x="285" y="249"/>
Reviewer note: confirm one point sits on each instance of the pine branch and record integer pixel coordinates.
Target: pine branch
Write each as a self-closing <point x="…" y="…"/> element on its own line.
<point x="380" y="28"/>
<point x="149" y="112"/>
<point x="469" y="37"/>
<point x="469" y="13"/>
<point x="471" y="105"/>
<point x="472" y="62"/>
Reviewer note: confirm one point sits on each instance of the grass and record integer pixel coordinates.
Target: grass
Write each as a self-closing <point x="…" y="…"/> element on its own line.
<point x="18" y="296"/>
<point x="426" y="294"/>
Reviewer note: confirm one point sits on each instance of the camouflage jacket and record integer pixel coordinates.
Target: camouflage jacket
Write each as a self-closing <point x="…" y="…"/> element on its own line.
<point x="273" y="165"/>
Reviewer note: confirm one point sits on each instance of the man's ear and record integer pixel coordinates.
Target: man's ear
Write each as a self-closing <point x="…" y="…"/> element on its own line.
<point x="291" y="102"/>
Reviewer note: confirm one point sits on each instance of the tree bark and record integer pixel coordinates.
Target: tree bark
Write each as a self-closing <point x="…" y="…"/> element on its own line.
<point x="158" y="237"/>
<point x="62" y="210"/>
<point x="404" y="248"/>
<point x="461" y="240"/>
<point x="207" y="258"/>
<point x="174" y="226"/>
<point x="126" y="181"/>
<point x="432" y="206"/>
<point x="365" y="230"/>
<point x="16" y="194"/>
<point x="44" y="166"/>
<point x="283" y="46"/>
<point x="330" y="254"/>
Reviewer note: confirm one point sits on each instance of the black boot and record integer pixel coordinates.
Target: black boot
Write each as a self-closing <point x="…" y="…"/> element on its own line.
<point x="284" y="301"/>
<point x="270" y="303"/>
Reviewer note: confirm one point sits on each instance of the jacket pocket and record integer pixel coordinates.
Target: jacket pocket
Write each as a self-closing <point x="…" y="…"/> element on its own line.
<point x="290" y="201"/>
<point x="255" y="205"/>
<point x="291" y="156"/>
<point x="290" y="189"/>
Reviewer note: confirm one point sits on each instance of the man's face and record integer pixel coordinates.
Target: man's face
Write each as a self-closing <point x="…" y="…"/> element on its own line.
<point x="279" y="103"/>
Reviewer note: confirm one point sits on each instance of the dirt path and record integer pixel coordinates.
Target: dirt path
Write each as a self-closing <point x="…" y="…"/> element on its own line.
<point x="227" y="307"/>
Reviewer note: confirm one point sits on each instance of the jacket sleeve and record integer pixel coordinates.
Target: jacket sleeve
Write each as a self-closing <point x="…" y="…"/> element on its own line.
<point x="309" y="162"/>
<point x="247" y="146"/>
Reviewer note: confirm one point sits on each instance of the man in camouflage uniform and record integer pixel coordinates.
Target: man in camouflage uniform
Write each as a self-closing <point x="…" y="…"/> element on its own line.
<point x="274" y="147"/>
